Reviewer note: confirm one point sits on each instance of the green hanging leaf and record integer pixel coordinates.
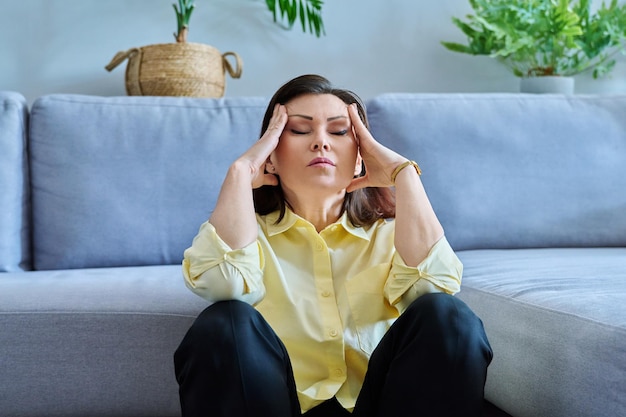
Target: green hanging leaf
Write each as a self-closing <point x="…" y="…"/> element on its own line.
<point x="308" y="12"/>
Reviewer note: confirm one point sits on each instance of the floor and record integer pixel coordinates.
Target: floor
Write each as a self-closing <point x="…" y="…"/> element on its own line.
<point x="491" y="410"/>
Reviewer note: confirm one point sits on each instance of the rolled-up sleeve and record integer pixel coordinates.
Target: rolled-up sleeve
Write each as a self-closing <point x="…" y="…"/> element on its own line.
<point x="440" y="271"/>
<point x="216" y="272"/>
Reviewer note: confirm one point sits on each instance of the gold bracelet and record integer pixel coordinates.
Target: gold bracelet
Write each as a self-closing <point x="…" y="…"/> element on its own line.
<point x="403" y="165"/>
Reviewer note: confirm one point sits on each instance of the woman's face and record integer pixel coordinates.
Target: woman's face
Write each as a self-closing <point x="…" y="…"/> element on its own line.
<point x="317" y="150"/>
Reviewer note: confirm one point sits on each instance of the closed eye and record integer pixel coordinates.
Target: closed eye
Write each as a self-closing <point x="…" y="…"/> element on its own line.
<point x="341" y="132"/>
<point x="298" y="132"/>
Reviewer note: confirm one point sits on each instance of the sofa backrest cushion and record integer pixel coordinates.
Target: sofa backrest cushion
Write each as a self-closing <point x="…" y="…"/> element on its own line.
<point x="515" y="170"/>
<point x="14" y="194"/>
<point x="123" y="181"/>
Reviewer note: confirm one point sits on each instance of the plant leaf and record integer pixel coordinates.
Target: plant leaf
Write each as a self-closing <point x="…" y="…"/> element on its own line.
<point x="559" y="37"/>
<point x="308" y="12"/>
<point x="457" y="47"/>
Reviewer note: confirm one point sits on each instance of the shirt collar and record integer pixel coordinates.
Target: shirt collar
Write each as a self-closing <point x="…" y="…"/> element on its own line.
<point x="291" y="219"/>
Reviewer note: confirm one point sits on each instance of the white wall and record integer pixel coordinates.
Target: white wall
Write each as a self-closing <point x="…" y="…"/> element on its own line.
<point x="371" y="46"/>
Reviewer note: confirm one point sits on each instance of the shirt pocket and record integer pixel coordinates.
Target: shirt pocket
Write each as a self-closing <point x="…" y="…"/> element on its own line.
<point x="371" y="312"/>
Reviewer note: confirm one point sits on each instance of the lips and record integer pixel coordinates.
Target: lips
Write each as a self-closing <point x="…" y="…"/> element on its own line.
<point x="321" y="161"/>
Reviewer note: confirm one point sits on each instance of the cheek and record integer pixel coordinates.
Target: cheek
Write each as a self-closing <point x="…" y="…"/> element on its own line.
<point x="350" y="158"/>
<point x="283" y="154"/>
<point x="352" y="150"/>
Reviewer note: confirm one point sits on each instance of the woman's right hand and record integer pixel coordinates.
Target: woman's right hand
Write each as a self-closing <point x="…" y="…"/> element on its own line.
<point x="234" y="217"/>
<point x="258" y="154"/>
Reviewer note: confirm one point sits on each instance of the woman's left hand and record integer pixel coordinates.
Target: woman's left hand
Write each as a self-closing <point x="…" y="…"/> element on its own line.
<point x="379" y="160"/>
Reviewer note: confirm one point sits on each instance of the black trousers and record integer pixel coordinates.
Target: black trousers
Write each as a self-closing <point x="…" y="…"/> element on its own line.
<point x="431" y="363"/>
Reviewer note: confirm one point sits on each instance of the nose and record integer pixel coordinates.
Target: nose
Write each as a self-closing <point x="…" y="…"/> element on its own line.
<point x="320" y="141"/>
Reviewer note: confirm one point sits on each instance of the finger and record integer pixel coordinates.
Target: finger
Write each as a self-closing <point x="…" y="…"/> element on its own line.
<point x="354" y="135"/>
<point x="278" y="120"/>
<point x="269" y="141"/>
<point x="270" y="179"/>
<point x="258" y="153"/>
<point x="357" y="183"/>
<point x="357" y="123"/>
<point x="265" y="179"/>
<point x="363" y="135"/>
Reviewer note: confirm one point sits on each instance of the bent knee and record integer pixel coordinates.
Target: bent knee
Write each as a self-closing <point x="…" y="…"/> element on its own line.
<point x="444" y="311"/>
<point x="439" y="306"/>
<point x="217" y="320"/>
<point x="450" y="319"/>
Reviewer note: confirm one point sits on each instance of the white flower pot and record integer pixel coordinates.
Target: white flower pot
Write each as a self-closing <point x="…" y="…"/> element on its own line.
<point x="547" y="85"/>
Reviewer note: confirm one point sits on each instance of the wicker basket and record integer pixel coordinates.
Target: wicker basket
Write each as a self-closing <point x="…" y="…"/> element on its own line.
<point x="176" y="69"/>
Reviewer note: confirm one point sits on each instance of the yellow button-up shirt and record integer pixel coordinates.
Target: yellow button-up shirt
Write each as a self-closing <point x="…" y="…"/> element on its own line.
<point x="329" y="296"/>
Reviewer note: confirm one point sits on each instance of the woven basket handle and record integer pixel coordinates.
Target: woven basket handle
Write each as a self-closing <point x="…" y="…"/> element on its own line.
<point x="235" y="73"/>
<point x="120" y="57"/>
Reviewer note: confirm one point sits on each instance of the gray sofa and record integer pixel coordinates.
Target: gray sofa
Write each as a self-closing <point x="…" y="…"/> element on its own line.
<point x="100" y="196"/>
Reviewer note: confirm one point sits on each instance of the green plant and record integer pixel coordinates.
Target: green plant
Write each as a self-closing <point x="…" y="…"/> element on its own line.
<point x="545" y="37"/>
<point x="309" y="12"/>
<point x="183" y="14"/>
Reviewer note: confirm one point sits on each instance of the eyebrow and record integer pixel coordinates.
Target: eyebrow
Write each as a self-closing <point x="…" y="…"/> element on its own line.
<point x="330" y="119"/>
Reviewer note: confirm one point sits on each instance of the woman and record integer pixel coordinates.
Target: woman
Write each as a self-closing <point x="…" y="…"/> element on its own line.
<point x="351" y="283"/>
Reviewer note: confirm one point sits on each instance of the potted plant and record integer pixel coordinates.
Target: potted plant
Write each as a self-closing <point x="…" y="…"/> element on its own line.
<point x="545" y="39"/>
<point x="198" y="70"/>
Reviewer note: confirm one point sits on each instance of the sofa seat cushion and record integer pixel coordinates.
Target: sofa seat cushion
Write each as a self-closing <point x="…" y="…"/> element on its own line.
<point x="92" y="342"/>
<point x="557" y="324"/>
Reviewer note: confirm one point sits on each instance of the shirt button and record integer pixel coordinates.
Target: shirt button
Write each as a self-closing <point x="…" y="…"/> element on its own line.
<point x="333" y="333"/>
<point x="338" y="372"/>
<point x="318" y="246"/>
<point x="325" y="293"/>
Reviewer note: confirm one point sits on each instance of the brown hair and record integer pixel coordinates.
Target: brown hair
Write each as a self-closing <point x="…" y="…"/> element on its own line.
<point x="364" y="206"/>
